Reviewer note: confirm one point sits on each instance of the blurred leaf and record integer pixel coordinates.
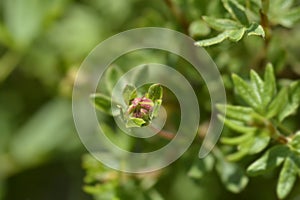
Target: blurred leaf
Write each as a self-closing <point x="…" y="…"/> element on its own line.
<point x="287" y="178"/>
<point x="141" y="74"/>
<point x="271" y="159"/>
<point x="236" y="10"/>
<point x="44" y="134"/>
<point x="101" y="102"/>
<point x="290" y="18"/>
<point x="24" y="19"/>
<point x="221" y="24"/>
<point x="201" y="166"/>
<point x="112" y="76"/>
<point x="79" y="31"/>
<point x="129" y="93"/>
<point x="198" y="28"/>
<point x="281" y="12"/>
<point x="232" y="176"/>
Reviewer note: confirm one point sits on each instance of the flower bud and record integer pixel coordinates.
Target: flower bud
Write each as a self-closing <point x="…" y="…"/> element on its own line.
<point x="141" y="108"/>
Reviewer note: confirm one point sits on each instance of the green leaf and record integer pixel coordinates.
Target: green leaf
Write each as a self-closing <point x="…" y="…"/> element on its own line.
<point x="201" y="166"/>
<point x="293" y="102"/>
<point x="259" y="143"/>
<point x="270" y="85"/>
<point x="239" y="113"/>
<point x="129" y="93"/>
<point x="237" y="125"/>
<point x="287" y="178"/>
<point x="233" y="35"/>
<point x="101" y="102"/>
<point x="156" y="108"/>
<point x="135" y="122"/>
<point x="211" y="41"/>
<point x="221" y="24"/>
<point x="258" y="85"/>
<point x="271" y="159"/>
<point x="236" y="10"/>
<point x="232" y="176"/>
<point x="236" y="140"/>
<point x="155" y="92"/>
<point x="236" y="35"/>
<point x="246" y="92"/>
<point x="295" y="142"/>
<point x="112" y="76"/>
<point x="278" y="103"/>
<point x="255" y="29"/>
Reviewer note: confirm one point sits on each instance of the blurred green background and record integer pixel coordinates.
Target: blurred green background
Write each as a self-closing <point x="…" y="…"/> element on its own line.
<point x="42" y="44"/>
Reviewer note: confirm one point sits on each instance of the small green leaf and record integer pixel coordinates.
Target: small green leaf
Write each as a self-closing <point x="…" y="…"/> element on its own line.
<point x="156" y="108"/>
<point x="295" y="142"/>
<point x="236" y="10"/>
<point x="294" y="101"/>
<point x="256" y="29"/>
<point x="211" y="41"/>
<point x="237" y="125"/>
<point x="236" y="112"/>
<point x="287" y="178"/>
<point x="201" y="166"/>
<point x="221" y="24"/>
<point x="101" y="102"/>
<point x="135" y="122"/>
<point x="258" y="85"/>
<point x="155" y="92"/>
<point x="129" y="93"/>
<point x="271" y="159"/>
<point x="278" y="103"/>
<point x="236" y="35"/>
<point x="270" y="85"/>
<point x="236" y="140"/>
<point x="246" y="92"/>
<point x="232" y="176"/>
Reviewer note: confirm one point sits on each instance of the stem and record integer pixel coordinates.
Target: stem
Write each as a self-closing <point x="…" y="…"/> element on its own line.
<point x="264" y="22"/>
<point x="177" y="13"/>
<point x="164" y="134"/>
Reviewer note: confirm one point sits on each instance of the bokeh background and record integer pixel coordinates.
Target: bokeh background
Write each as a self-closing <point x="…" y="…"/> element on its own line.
<point x="42" y="44"/>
